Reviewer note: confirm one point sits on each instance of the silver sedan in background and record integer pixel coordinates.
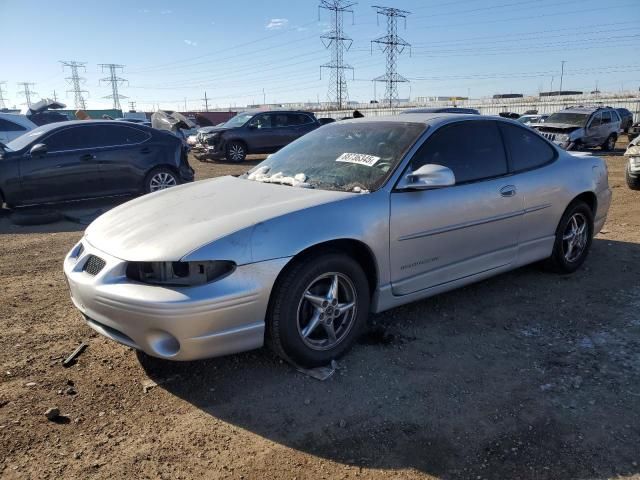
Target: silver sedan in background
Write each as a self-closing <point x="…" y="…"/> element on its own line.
<point x="355" y="217"/>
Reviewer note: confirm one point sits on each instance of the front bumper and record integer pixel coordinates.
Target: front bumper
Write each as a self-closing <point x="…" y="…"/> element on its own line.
<point x="219" y="318"/>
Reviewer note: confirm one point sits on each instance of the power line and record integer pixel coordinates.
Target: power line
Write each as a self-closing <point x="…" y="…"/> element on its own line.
<point x="392" y="45"/>
<point x="115" y="82"/>
<point x="338" y="42"/>
<point x="27" y="92"/>
<point x="2" y="92"/>
<point x="75" y="80"/>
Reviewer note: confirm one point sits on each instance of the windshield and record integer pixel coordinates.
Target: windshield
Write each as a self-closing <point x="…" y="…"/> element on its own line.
<point x="25" y="139"/>
<point x="576" y="119"/>
<point x="345" y="156"/>
<point x="238" y="120"/>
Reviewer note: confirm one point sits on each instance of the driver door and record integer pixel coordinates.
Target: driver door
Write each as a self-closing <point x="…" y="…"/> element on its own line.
<point x="262" y="137"/>
<point x="445" y="234"/>
<point x="67" y="171"/>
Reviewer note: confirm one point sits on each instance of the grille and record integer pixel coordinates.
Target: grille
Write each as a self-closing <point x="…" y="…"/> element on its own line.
<point x="93" y="265"/>
<point x="548" y="136"/>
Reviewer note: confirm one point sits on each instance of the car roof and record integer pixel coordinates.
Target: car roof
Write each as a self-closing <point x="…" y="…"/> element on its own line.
<point x="424" y="118"/>
<point x="18" y="118"/>
<point x="52" y="126"/>
<point x="584" y="109"/>
<point x="255" y="112"/>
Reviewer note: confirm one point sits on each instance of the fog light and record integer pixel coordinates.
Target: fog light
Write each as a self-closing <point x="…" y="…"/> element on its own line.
<point x="163" y="344"/>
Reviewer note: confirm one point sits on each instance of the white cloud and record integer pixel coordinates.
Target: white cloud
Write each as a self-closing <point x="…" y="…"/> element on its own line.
<point x="191" y="43"/>
<point x="166" y="12"/>
<point x="277" y="23"/>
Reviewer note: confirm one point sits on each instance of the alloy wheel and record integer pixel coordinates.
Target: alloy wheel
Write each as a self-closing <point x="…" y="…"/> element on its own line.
<point x="162" y="180"/>
<point x="327" y="311"/>
<point x="236" y="152"/>
<point x="574" y="238"/>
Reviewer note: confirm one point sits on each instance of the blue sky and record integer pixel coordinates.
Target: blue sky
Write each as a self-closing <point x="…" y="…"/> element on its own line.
<point x="174" y="51"/>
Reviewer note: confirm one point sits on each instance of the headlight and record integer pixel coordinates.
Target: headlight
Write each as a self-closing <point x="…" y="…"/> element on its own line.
<point x="180" y="274"/>
<point x="634" y="163"/>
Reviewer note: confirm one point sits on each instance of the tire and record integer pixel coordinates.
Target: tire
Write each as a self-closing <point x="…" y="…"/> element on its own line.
<point x="633" y="182"/>
<point x="160" y="178"/>
<point x="610" y="144"/>
<point x="236" y="152"/>
<point x="35" y="217"/>
<point x="566" y="260"/>
<point x="302" y="296"/>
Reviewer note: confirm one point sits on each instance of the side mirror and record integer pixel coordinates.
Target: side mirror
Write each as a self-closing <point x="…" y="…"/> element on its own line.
<point x="427" y="177"/>
<point x="38" y="150"/>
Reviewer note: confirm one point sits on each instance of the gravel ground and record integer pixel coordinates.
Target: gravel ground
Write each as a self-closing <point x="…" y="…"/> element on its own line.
<point x="528" y="375"/>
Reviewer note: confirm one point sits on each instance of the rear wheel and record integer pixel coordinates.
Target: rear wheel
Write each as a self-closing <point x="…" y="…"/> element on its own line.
<point x="318" y="309"/>
<point x="573" y="238"/>
<point x="160" y="178"/>
<point x="236" y="152"/>
<point x="610" y="144"/>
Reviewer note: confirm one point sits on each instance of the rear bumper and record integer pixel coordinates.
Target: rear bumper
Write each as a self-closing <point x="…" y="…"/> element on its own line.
<point x="220" y="318"/>
<point x="604" y="202"/>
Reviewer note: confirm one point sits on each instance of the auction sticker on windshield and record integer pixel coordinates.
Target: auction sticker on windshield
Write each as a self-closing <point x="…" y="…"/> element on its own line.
<point x="359" y="158"/>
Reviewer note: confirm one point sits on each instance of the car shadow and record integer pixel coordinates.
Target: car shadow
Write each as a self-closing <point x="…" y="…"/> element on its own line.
<point x="63" y="217"/>
<point x="526" y="375"/>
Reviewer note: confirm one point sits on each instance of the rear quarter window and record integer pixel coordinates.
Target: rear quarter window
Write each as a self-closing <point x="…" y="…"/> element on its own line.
<point x="526" y="149"/>
<point x="7" y="126"/>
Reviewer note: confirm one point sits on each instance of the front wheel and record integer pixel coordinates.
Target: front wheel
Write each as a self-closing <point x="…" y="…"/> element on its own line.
<point x="236" y="152"/>
<point x="318" y="309"/>
<point x="573" y="239"/>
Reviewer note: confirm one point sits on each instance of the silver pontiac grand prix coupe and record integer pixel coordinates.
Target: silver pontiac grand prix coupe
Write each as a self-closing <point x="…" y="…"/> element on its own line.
<point x="355" y="217"/>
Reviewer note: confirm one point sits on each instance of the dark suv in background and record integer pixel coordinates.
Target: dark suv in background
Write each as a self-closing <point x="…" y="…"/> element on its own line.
<point x="626" y="119"/>
<point x="255" y="132"/>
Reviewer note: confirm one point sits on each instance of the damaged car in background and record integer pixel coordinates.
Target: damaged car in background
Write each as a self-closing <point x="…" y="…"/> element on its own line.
<point x="254" y="132"/>
<point x="582" y="127"/>
<point x="632" y="170"/>
<point x="82" y="159"/>
<point x="352" y="218"/>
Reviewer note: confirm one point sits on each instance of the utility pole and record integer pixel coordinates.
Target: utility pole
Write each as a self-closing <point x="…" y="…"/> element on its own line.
<point x="55" y="96"/>
<point x="185" y="104"/>
<point x="206" y="102"/>
<point x="338" y="42"/>
<point x="132" y="106"/>
<point x="392" y="45"/>
<point x="264" y="97"/>
<point x="562" y="74"/>
<point x="27" y="92"/>
<point x="75" y="80"/>
<point x="115" y="81"/>
<point x="2" y="92"/>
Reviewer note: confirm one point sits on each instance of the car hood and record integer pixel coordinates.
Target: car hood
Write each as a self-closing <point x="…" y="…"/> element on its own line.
<point x="556" y="127"/>
<point x="41" y="106"/>
<point x="211" y="130"/>
<point x="167" y="225"/>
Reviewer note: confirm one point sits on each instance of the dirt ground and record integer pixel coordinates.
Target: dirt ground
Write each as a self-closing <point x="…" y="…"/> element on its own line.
<point x="528" y="375"/>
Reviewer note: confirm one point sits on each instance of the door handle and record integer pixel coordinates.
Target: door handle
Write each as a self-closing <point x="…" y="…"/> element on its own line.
<point x="508" y="191"/>
<point x="86" y="157"/>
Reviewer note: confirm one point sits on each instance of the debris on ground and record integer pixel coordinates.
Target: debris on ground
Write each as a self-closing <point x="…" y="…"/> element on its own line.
<point x="71" y="359"/>
<point x="52" y="413"/>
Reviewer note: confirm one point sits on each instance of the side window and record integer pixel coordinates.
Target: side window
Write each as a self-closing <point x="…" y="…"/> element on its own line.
<point x="472" y="149"/>
<point x="120" y="135"/>
<point x="7" y="126"/>
<point x="261" y="121"/>
<point x="73" y="138"/>
<point x="296" y="119"/>
<point x="526" y="149"/>
<point x="280" y="120"/>
<point x="596" y="121"/>
<point x="615" y="116"/>
<point x="606" y="117"/>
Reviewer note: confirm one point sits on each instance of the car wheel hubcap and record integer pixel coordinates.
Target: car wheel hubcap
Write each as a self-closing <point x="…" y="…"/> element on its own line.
<point x="161" y="180"/>
<point x="237" y="152"/>
<point x="574" y="238"/>
<point x="327" y="311"/>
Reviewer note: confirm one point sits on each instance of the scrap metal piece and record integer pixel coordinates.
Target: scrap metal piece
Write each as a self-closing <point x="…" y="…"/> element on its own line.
<point x="71" y="359"/>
